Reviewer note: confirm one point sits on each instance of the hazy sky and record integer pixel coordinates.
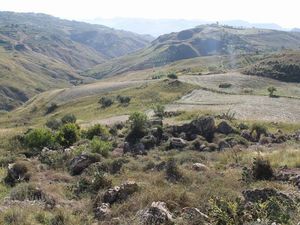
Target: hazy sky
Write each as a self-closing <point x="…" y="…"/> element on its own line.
<point x="283" y="12"/>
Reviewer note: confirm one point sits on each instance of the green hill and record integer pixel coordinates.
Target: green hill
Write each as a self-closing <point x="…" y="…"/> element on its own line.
<point x="39" y="52"/>
<point x="205" y="40"/>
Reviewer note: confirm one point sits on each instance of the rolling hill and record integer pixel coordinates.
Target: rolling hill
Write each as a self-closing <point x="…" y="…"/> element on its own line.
<point x="39" y="52"/>
<point x="205" y="40"/>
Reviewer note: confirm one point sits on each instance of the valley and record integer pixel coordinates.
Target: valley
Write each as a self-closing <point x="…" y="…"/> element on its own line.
<point x="107" y="127"/>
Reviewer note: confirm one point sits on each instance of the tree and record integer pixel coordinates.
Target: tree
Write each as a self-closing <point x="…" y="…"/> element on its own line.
<point x="138" y="121"/>
<point x="69" y="118"/>
<point x="271" y="91"/>
<point x="106" y="102"/>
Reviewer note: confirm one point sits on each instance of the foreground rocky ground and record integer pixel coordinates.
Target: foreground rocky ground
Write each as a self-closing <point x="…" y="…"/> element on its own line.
<point x="211" y="170"/>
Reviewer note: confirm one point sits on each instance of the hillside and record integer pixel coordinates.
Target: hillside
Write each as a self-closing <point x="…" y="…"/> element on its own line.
<point x="205" y="40"/>
<point x="44" y="52"/>
<point x="283" y="67"/>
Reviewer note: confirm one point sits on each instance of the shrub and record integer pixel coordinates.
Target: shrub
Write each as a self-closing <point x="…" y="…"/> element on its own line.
<point x="105" y="102"/>
<point x="97" y="131"/>
<point x="172" y="172"/>
<point x="59" y="219"/>
<point x="225" y="85"/>
<point x="138" y="121"/>
<point x="172" y="76"/>
<point x="259" y="129"/>
<point x="159" y="111"/>
<point x="116" y="165"/>
<point x="54" y="124"/>
<point x="100" y="147"/>
<point x="262" y="170"/>
<point x="37" y="139"/>
<point x="124" y="100"/>
<point x="69" y="118"/>
<point x="51" y="108"/>
<point x="100" y="181"/>
<point x="271" y="91"/>
<point x="68" y="134"/>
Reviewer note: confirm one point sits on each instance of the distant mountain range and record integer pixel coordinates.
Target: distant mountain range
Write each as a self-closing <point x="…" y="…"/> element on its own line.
<point x="157" y="27"/>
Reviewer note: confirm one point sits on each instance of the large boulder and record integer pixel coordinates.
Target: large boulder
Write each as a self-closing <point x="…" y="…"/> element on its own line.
<point x="120" y="193"/>
<point x="225" y="128"/>
<point x="177" y="143"/>
<point x="16" y="172"/>
<point x="205" y="126"/>
<point x="156" y="214"/>
<point x="81" y="162"/>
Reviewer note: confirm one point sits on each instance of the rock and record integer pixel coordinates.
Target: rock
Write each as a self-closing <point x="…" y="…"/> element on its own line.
<point x="223" y="145"/>
<point x="247" y="135"/>
<point x="136" y="149"/>
<point x="120" y="193"/>
<point x="149" y="141"/>
<point x="156" y="122"/>
<point x="265" y="140"/>
<point x="199" y="167"/>
<point x="103" y="211"/>
<point x="205" y="126"/>
<point x="156" y="214"/>
<point x="225" y="128"/>
<point x="289" y="175"/>
<point x="117" y="152"/>
<point x="194" y="215"/>
<point x="177" y="143"/>
<point x="262" y="195"/>
<point x="81" y="162"/>
<point x="16" y="172"/>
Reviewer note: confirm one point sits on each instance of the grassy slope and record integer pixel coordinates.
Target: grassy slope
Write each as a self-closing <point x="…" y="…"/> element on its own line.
<point x="202" y="41"/>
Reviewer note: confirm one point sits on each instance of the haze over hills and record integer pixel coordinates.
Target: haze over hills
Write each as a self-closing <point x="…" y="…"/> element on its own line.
<point x="204" y="40"/>
<point x="157" y="27"/>
<point x="39" y="50"/>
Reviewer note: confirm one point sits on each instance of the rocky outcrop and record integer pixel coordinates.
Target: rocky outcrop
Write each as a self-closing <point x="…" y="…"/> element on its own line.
<point x="156" y="214"/>
<point x="225" y="128"/>
<point x="103" y="211"/>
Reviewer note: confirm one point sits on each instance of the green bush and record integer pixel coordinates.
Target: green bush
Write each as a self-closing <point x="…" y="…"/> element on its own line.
<point x="26" y="191"/>
<point x="159" y="111"/>
<point x="105" y="102"/>
<point x="51" y="108"/>
<point x="39" y="138"/>
<point x="271" y="91"/>
<point x="172" y="76"/>
<point x="259" y="129"/>
<point x="100" y="147"/>
<point x="138" y="121"/>
<point x="172" y="172"/>
<point x="124" y="100"/>
<point x="69" y="118"/>
<point x="68" y="134"/>
<point x="54" y="124"/>
<point x="225" y="85"/>
<point x="97" y="131"/>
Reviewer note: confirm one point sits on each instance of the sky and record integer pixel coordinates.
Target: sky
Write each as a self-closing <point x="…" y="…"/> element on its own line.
<point x="284" y="13"/>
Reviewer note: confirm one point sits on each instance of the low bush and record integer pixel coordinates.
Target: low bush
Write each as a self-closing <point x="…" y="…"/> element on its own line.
<point x="105" y="102"/>
<point x="69" y="118"/>
<point x="51" y="108"/>
<point x="124" y="100"/>
<point x="259" y="129"/>
<point x="26" y="191"/>
<point x="97" y="131"/>
<point x="172" y="172"/>
<point x="262" y="170"/>
<point x="54" y="124"/>
<point x="37" y="139"/>
<point x="225" y="85"/>
<point x="101" y="147"/>
<point x="172" y="76"/>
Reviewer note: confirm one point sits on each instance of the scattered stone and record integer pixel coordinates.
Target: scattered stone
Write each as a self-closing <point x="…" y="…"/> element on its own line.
<point x="177" y="143"/>
<point x="156" y="214"/>
<point x="120" y="193"/>
<point x="199" y="167"/>
<point x="225" y="128"/>
<point x="81" y="162"/>
<point x="194" y="215"/>
<point x="103" y="211"/>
